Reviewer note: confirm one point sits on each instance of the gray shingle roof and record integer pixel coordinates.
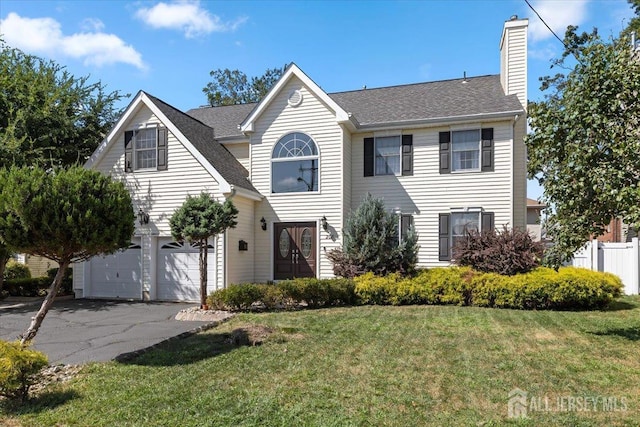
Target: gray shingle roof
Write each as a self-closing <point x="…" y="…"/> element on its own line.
<point x="394" y="104"/>
<point x="425" y="101"/>
<point x="224" y="120"/>
<point x="202" y="137"/>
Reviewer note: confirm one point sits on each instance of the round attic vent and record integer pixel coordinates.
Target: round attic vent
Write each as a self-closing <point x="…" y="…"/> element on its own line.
<point x="295" y="98"/>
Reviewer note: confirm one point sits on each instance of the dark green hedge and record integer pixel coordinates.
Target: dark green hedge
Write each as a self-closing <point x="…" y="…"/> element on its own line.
<point x="287" y="293"/>
<point x="37" y="286"/>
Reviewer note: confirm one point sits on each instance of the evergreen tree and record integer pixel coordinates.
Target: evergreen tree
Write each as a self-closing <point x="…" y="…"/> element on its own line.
<point x="371" y="242"/>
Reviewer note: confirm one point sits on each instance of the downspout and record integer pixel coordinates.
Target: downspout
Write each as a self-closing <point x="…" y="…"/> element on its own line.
<point x="513" y="157"/>
<point x="225" y="272"/>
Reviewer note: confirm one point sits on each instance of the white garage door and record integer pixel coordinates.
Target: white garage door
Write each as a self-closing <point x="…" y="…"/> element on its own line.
<point x="179" y="272"/>
<point x="118" y="275"/>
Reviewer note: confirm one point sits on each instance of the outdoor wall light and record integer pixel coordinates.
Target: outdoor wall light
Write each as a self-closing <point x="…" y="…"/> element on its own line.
<point x="263" y="223"/>
<point x="323" y="221"/>
<point x="143" y="217"/>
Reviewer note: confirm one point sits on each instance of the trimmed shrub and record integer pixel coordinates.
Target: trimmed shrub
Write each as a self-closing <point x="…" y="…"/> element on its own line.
<point x="544" y="288"/>
<point x="34" y="287"/>
<point x="16" y="270"/>
<point x="377" y="290"/>
<point x="19" y="366"/>
<point x="314" y="292"/>
<point x="235" y="297"/>
<point x="507" y="252"/>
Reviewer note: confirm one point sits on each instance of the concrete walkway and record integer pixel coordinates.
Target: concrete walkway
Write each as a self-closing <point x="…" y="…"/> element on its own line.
<point x="80" y="331"/>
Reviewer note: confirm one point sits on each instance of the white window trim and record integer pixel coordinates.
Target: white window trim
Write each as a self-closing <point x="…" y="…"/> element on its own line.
<point x="386" y="134"/>
<point x="462" y="129"/>
<point x="289" y="159"/>
<point x="465" y="210"/>
<point x="134" y="151"/>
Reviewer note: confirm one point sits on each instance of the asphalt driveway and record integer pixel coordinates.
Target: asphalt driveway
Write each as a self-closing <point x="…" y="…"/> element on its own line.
<point x="80" y="331"/>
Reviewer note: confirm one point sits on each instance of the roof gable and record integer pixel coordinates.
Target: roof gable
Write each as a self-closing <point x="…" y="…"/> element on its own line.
<point x="341" y="115"/>
<point x="197" y="138"/>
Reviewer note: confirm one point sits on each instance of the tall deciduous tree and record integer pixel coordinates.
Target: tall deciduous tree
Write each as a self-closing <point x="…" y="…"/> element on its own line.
<point x="196" y="221"/>
<point x="230" y="87"/>
<point x="66" y="215"/>
<point x="585" y="141"/>
<point x="48" y="117"/>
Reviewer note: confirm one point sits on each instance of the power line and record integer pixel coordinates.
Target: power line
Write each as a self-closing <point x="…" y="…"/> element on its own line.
<point x="548" y="27"/>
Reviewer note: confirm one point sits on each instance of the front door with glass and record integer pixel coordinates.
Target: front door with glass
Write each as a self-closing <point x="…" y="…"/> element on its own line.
<point x="294" y="250"/>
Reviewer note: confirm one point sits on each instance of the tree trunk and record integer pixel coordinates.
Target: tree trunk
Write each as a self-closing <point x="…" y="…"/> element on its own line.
<point x="203" y="272"/>
<point x="3" y="265"/>
<point x="36" y="321"/>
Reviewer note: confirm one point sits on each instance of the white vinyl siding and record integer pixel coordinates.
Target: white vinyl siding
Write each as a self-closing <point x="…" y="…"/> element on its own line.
<point x="240" y="264"/>
<point x="427" y="193"/>
<point x="159" y="193"/>
<point x="315" y="119"/>
<point x="241" y="152"/>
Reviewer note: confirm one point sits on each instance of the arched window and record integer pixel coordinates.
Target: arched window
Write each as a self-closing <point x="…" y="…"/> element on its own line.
<point x="294" y="164"/>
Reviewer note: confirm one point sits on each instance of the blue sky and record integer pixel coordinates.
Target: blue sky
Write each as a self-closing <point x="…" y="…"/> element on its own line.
<point x="168" y="47"/>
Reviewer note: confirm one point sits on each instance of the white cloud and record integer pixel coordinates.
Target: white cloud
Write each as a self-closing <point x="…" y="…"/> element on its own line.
<point x="558" y="14"/>
<point x="92" y="24"/>
<point x="187" y="16"/>
<point x="44" y="36"/>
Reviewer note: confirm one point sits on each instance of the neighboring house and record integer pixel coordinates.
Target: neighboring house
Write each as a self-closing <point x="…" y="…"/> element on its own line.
<point x="534" y="219"/>
<point x="38" y="266"/>
<point x="617" y="231"/>
<point x="446" y="156"/>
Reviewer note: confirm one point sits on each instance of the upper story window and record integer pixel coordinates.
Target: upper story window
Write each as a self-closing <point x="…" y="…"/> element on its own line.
<point x="467" y="150"/>
<point x="294" y="164"/>
<point x="145" y="149"/>
<point x="388" y="155"/>
<point x="465" y="147"/>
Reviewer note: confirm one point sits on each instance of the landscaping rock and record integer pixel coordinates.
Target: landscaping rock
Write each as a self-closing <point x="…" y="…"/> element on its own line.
<point x="198" y="315"/>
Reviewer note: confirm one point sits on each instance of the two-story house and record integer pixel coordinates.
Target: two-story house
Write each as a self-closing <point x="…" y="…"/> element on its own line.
<point x="446" y="156"/>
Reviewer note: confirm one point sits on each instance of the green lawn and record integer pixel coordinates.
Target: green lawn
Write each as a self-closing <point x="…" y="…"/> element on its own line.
<point x="404" y="366"/>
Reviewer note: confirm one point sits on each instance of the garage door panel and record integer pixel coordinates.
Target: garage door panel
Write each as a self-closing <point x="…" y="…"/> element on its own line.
<point x="178" y="276"/>
<point x="117" y="275"/>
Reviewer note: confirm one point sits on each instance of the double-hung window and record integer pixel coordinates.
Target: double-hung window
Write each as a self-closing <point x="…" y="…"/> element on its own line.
<point x="388" y="155"/>
<point x="465" y="147"/>
<point x="145" y="149"/>
<point x="470" y="150"/>
<point x="457" y="225"/>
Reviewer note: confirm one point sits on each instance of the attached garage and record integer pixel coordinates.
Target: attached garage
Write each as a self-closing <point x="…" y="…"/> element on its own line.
<point x="116" y="276"/>
<point x="178" y="276"/>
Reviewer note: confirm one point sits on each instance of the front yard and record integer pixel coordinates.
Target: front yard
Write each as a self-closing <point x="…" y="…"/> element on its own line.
<point x="369" y="365"/>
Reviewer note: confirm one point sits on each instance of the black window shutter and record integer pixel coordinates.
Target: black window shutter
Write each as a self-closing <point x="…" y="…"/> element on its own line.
<point x="405" y="223"/>
<point x="128" y="151"/>
<point x="445" y="152"/>
<point x="487" y="221"/>
<point x="162" y="149"/>
<point x="407" y="154"/>
<point x="369" y="158"/>
<point x="443" y="237"/>
<point x="487" y="150"/>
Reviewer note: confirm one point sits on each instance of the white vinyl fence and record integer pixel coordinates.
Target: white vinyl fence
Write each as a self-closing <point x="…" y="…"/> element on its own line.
<point x="621" y="259"/>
